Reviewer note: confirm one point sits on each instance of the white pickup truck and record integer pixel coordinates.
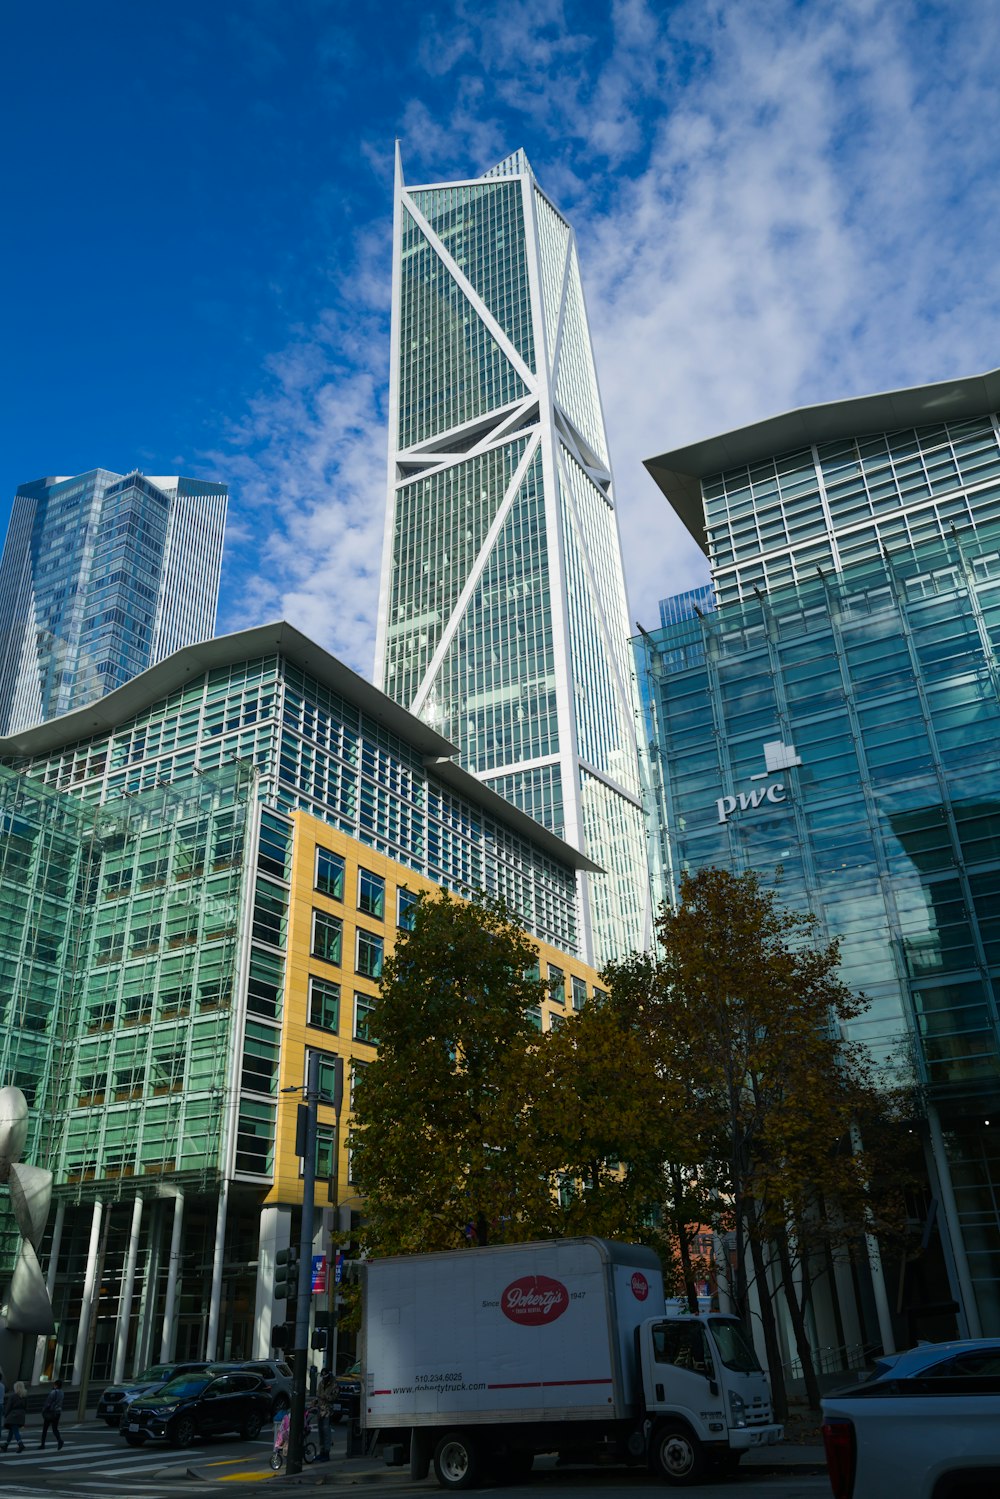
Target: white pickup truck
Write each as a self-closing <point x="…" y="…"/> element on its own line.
<point x="926" y="1425"/>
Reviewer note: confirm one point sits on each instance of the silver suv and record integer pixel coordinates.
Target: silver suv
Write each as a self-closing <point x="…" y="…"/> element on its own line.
<point x="275" y="1374"/>
<point x="116" y="1397"/>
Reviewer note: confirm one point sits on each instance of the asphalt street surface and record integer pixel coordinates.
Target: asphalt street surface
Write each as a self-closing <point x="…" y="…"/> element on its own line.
<point x="96" y="1464"/>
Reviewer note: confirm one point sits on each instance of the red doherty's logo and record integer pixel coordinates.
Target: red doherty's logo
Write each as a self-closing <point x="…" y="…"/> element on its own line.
<point x="640" y="1286"/>
<point x="534" y="1299"/>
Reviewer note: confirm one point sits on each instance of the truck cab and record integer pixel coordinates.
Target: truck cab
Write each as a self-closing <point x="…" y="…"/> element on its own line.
<point x="706" y="1397"/>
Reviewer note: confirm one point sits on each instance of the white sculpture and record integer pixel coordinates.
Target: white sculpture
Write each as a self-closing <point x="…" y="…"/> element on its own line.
<point x="28" y="1306"/>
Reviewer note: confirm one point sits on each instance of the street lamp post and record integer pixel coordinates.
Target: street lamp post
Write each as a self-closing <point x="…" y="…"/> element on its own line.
<point x="306" y="1137"/>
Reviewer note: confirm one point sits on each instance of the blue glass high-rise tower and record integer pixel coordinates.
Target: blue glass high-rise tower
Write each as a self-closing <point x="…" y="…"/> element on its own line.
<point x="834" y="725"/>
<point x="102" y="575"/>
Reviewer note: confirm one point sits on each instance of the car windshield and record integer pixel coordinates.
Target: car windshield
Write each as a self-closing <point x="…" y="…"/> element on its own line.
<point x="155" y="1375"/>
<point x="735" y="1348"/>
<point x="183" y="1387"/>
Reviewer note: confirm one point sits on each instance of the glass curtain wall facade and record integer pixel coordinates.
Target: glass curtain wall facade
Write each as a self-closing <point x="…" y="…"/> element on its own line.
<point x="147" y="970"/>
<point x="102" y="576"/>
<point x="835" y="726"/>
<point x="503" y="619"/>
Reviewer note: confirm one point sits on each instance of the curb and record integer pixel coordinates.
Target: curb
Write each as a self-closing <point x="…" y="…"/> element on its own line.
<point x="328" y="1474"/>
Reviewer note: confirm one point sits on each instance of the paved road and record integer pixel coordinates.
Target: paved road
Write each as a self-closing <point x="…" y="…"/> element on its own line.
<point x="96" y="1463"/>
<point x="616" y="1484"/>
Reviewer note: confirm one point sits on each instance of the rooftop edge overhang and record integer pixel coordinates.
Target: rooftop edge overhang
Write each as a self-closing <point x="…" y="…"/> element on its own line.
<point x="679" y="473"/>
<point x="280" y="638"/>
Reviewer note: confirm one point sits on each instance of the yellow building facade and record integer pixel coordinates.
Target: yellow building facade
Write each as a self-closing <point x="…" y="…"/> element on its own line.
<point x="347" y="905"/>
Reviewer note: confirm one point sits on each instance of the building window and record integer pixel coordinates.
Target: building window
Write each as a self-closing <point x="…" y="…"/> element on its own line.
<point x="255" y="1138"/>
<point x="357" y="1073"/>
<point x="327" y="938"/>
<point x="557" y="985"/>
<point x="371" y="894"/>
<point x="406" y="909"/>
<point x="369" y="956"/>
<point x="270" y="911"/>
<point x="329" y="874"/>
<point x="325" y="1137"/>
<point x="364" y="1011"/>
<point x="579" y="993"/>
<point x="327" y="1082"/>
<point x="324" y="1005"/>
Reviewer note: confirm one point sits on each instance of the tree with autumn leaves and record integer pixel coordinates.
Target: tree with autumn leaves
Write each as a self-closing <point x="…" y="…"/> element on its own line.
<point x="743" y="1008"/>
<point x="712" y="1086"/>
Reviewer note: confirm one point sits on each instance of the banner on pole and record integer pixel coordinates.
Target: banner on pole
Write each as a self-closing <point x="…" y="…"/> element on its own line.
<point x="319" y="1273"/>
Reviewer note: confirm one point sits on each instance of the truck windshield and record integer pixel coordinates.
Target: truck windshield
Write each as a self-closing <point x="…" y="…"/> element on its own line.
<point x="735" y="1348"/>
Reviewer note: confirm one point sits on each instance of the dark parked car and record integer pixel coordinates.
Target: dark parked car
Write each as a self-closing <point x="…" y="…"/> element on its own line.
<point x="117" y="1396"/>
<point x="348" y="1395"/>
<point x="195" y="1405"/>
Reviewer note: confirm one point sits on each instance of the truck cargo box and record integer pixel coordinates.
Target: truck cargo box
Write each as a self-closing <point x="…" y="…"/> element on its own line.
<point x="512" y="1333"/>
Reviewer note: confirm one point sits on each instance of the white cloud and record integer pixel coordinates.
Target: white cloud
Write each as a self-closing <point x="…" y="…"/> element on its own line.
<point x="776" y="204"/>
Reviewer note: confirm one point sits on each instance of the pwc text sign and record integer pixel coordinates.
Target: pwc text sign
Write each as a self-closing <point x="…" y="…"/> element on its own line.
<point x="777" y="756"/>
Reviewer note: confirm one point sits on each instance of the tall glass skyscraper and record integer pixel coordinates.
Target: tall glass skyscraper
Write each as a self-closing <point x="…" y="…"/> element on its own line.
<point x="835" y="726"/>
<point x="503" y="618"/>
<point x="102" y="575"/>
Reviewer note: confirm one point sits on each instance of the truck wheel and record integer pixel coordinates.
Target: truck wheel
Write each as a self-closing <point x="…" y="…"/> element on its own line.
<point x="678" y="1457"/>
<point x="457" y="1463"/>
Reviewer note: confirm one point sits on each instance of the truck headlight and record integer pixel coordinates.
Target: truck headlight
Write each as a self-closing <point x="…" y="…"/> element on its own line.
<point x="737" y="1408"/>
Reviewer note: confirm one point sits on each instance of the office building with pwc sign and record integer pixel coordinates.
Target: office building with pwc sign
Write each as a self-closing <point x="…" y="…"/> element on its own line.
<point x="833" y="724"/>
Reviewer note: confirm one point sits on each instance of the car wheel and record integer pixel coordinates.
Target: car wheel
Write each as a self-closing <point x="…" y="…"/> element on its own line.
<point x="134" y="1440"/>
<point x="250" y="1428"/>
<point x="457" y="1460"/>
<point x="678" y="1457"/>
<point x="182" y="1433"/>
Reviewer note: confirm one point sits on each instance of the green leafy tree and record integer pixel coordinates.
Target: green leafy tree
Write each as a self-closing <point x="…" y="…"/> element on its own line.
<point x="437" y="1150"/>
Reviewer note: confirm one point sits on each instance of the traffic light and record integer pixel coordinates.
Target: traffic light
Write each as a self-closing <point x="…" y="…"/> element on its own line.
<point x="286" y="1274"/>
<point x="281" y="1336"/>
<point x="319" y="1337"/>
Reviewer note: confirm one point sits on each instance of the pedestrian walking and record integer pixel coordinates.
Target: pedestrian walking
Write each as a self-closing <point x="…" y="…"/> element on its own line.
<point x="326" y="1395"/>
<point x="3" y="1392"/>
<point x="51" y="1412"/>
<point x="15" y="1414"/>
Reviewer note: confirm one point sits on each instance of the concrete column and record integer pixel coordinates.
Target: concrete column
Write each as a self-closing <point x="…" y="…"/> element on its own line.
<point x="969" y="1314"/>
<point x="150" y="1286"/>
<point x="50" y="1285"/>
<point x="169" y="1340"/>
<point x="83" y="1331"/>
<point x="125" y="1299"/>
<point x="215" y="1304"/>
<point x="877" y="1272"/>
<point x="275" y="1234"/>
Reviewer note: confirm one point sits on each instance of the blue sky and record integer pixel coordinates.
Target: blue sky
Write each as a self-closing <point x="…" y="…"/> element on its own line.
<point x="776" y="203"/>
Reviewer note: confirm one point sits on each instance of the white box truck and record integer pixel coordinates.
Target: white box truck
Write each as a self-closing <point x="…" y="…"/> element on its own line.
<point x="482" y="1358"/>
